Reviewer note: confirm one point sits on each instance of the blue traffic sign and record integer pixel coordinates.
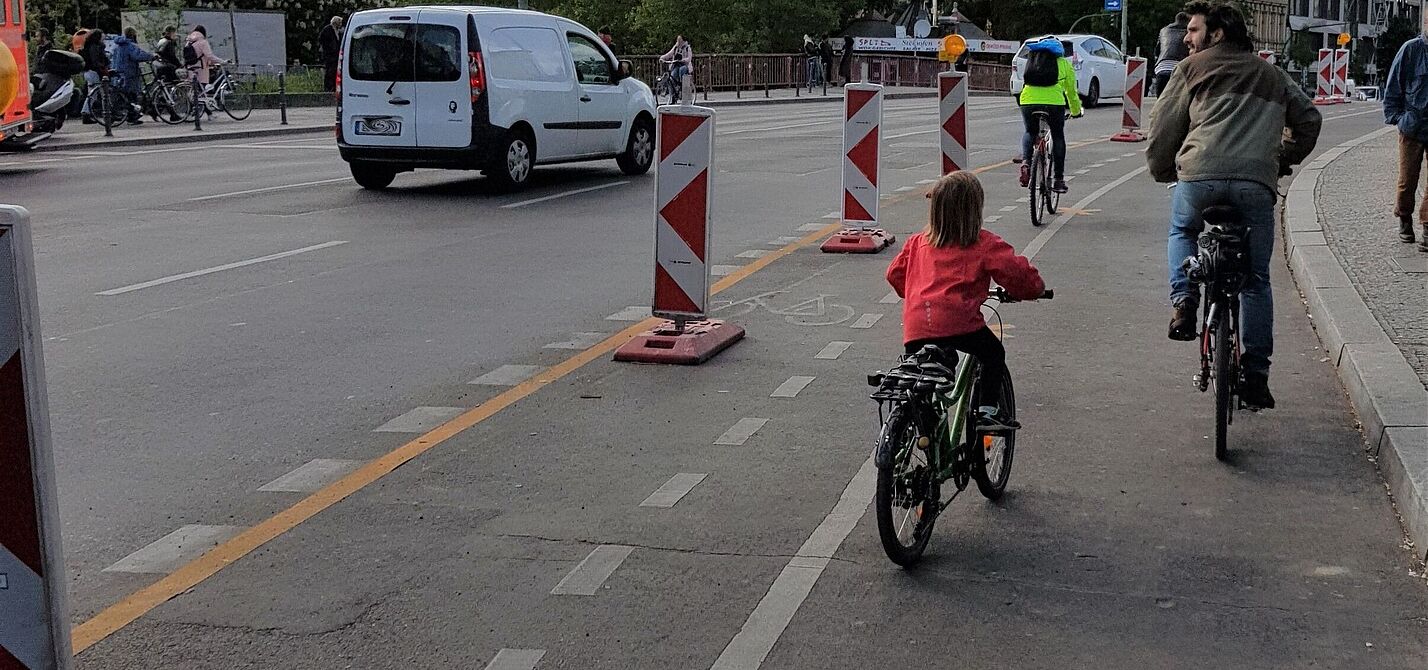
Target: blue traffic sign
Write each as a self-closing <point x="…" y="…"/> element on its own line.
<point x="1113" y="5"/>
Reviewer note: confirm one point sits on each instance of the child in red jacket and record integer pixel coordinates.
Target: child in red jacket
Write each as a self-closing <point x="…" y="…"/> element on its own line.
<point x="943" y="275"/>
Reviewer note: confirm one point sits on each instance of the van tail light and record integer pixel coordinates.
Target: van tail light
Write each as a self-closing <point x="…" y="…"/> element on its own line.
<point x="338" y="88"/>
<point x="478" y="75"/>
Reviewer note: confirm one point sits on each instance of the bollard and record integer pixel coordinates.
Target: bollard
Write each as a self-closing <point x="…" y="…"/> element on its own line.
<point x="1131" y="102"/>
<point x="106" y="106"/>
<point x="1324" y="84"/>
<point x="282" y="98"/>
<point x="766" y="79"/>
<point x="952" y="89"/>
<point x="683" y="199"/>
<point x="863" y="114"/>
<point x="34" y="619"/>
<point x="1341" y="75"/>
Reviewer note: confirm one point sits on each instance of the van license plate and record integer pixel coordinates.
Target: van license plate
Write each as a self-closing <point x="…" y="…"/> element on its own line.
<point x="378" y="125"/>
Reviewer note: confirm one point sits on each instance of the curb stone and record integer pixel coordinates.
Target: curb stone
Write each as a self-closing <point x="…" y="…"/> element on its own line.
<point x="1391" y="402"/>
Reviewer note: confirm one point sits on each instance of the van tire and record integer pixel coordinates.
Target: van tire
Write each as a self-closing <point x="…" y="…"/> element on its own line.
<point x="372" y="177"/>
<point x="639" y="148"/>
<point x="513" y="161"/>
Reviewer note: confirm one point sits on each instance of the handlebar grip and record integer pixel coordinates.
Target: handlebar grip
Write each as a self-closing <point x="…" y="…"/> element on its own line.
<point x="1048" y="294"/>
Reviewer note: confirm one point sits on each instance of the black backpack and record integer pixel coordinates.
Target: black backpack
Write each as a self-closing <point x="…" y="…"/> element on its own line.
<point x="1042" y="69"/>
<point x="190" y="54"/>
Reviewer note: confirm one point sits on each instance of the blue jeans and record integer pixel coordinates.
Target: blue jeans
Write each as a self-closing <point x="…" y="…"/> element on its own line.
<point x="1255" y="202"/>
<point x="678" y="72"/>
<point x="1056" y="123"/>
<point x="814" y="68"/>
<point x="93" y="79"/>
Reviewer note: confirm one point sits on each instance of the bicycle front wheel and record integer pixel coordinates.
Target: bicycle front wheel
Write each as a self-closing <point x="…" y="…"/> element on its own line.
<point x="1035" y="187"/>
<point x="236" y="101"/>
<point x="1224" y="384"/>
<point x="1049" y="196"/>
<point x="992" y="460"/>
<point x="907" y="497"/>
<point x="111" y="110"/>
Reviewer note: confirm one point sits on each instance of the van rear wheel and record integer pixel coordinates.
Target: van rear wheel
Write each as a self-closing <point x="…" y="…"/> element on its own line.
<point x="372" y="177"/>
<point x="639" y="149"/>
<point x="511" y="166"/>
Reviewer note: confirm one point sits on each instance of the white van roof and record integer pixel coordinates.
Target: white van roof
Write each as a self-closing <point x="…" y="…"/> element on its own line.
<point x="465" y="9"/>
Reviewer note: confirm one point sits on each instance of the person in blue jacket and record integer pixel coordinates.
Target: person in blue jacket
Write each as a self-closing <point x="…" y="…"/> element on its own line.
<point x="125" y="60"/>
<point x="1405" y="104"/>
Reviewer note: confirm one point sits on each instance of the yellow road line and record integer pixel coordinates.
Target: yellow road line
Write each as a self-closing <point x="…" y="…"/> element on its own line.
<point x="141" y="602"/>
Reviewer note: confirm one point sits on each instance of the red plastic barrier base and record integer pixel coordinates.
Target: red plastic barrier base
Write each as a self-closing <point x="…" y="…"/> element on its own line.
<point x="699" y="342"/>
<point x="858" y="241"/>
<point x="1325" y="101"/>
<point x="1128" y="136"/>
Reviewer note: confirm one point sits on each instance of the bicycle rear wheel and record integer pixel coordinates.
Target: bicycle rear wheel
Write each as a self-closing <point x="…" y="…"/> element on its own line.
<point x="236" y="101"/>
<point x="993" y="453"/>
<point x="111" y="110"/>
<point x="907" y="498"/>
<point x="181" y="96"/>
<point x="1224" y="384"/>
<point x="1049" y="196"/>
<point x="1035" y="186"/>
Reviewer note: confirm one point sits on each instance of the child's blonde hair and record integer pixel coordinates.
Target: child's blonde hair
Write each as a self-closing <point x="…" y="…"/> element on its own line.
<point x="956" y="216"/>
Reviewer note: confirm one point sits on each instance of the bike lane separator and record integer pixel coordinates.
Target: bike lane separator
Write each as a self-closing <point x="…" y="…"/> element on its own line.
<point x="866" y="321"/>
<point x="516" y="659"/>
<point x="775" y="611"/>
<point x="792" y="387"/>
<point x="674" y="490"/>
<point x="587" y="577"/>
<point x="832" y="351"/>
<point x="740" y="432"/>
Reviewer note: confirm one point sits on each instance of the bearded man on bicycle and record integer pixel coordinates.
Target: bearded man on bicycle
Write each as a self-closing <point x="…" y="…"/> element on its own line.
<point x="1050" y="87"/>
<point x="1217" y="129"/>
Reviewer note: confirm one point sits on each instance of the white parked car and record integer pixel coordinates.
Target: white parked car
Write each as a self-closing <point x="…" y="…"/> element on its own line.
<point x="482" y="88"/>
<point x="1100" y="68"/>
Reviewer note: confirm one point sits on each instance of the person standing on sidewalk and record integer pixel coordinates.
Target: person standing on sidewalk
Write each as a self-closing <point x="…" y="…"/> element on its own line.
<point x="845" y="66"/>
<point x="1218" y="129"/>
<point x="329" y="43"/>
<point x="812" y="70"/>
<point x="127" y="56"/>
<point x="1405" y="104"/>
<point x="96" y="63"/>
<point x="1172" y="50"/>
<point x="825" y="57"/>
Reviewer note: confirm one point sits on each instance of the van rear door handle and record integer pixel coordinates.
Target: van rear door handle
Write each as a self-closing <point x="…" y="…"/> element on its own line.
<point x="584" y="98"/>
<point x="399" y="101"/>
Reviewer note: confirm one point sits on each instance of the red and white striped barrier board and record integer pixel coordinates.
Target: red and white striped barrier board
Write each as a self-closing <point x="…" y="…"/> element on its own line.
<point x="1341" y="75"/>
<point x="862" y="142"/>
<point x="1324" y="78"/>
<point x="952" y="93"/>
<point x="683" y="195"/>
<point x="34" y="622"/>
<point x="1132" y="100"/>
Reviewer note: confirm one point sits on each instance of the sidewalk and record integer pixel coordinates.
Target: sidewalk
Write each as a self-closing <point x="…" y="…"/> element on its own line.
<point x="1366" y="294"/>
<point x="265" y="122"/>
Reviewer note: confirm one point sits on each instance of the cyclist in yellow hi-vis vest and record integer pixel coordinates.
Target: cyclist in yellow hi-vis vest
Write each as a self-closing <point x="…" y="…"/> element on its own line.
<point x="1051" y="88"/>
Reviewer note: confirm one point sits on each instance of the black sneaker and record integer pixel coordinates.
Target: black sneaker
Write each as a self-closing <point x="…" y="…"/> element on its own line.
<point x="1254" y="392"/>
<point x="1182" y="322"/>
<point x="1060" y="186"/>
<point x="990" y="420"/>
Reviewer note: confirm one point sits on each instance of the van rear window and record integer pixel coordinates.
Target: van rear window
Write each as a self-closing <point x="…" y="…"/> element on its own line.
<point x="405" y="52"/>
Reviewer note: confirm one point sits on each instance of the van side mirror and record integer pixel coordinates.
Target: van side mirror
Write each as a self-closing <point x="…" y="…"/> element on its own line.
<point x="624" y="70"/>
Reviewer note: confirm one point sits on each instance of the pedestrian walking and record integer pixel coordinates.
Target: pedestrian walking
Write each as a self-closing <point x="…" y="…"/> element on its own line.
<point x="1405" y="104"/>
<point x="845" y="66"/>
<point x="125" y="61"/>
<point x="166" y="52"/>
<point x="329" y="43"/>
<point x="1171" y="50"/>
<point x="96" y="63"/>
<point x="198" y="56"/>
<point x="825" y="57"/>
<point x="811" y="62"/>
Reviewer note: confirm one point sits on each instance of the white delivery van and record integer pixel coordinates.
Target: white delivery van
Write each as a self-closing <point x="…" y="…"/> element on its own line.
<point x="484" y="88"/>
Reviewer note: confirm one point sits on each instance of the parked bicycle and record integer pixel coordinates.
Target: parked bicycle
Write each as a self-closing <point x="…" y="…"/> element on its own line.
<point x="1221" y="266"/>
<point x="933" y="430"/>
<point x="225" y="93"/>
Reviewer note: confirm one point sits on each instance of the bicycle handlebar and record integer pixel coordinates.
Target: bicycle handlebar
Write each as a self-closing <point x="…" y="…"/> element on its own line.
<point x="1000" y="295"/>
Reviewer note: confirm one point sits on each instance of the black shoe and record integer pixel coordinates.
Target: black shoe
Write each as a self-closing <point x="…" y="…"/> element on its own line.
<point x="136" y="121"/>
<point x="1182" y="322"/>
<point x="1423" y="239"/>
<point x="1254" y="392"/>
<point x="1059" y="186"/>
<point x="1405" y="230"/>
<point x="990" y="420"/>
<point x="88" y="120"/>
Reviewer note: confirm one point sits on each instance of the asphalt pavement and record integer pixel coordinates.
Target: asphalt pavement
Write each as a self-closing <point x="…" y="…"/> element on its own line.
<point x="232" y="326"/>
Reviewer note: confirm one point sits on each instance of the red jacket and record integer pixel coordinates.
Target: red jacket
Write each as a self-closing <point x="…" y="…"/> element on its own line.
<point x="943" y="289"/>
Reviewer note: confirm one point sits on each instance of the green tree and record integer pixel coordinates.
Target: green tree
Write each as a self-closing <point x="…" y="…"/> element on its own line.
<point x="1398" y="31"/>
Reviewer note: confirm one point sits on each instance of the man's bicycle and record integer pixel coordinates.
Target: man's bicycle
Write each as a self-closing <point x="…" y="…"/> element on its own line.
<point x="668" y="87"/>
<point x="1221" y="266"/>
<point x="1043" y="196"/>
<point x="933" y="432"/>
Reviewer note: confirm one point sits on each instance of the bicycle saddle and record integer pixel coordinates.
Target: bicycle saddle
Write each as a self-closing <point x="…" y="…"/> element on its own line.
<point x="1222" y="215"/>
<point x="934" y="361"/>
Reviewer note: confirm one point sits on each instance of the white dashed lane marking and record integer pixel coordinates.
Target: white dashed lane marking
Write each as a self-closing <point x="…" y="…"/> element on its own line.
<point x="784" y="241"/>
<point x="311" y="476"/>
<point x="674" y="490"/>
<point x="167" y="553"/>
<point x="420" y="420"/>
<point x="578" y="341"/>
<point x="724" y="270"/>
<point x="890" y="299"/>
<point x="832" y="351"/>
<point x="1008" y="208"/>
<point x="790" y="388"/>
<point x="810" y="227"/>
<point x="508" y="375"/>
<point x="516" y="659"/>
<point x="752" y="253"/>
<point x="586" y="578"/>
<point x="740" y="432"/>
<point x="631" y="313"/>
<point x="867" y="321"/>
